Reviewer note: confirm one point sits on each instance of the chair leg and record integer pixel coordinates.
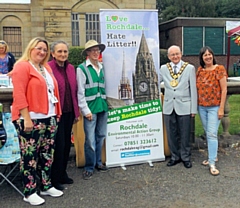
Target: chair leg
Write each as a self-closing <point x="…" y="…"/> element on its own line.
<point x="9" y="173"/>
<point x="5" y="178"/>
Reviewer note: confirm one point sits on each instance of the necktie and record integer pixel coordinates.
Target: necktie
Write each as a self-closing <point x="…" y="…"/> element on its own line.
<point x="175" y="69"/>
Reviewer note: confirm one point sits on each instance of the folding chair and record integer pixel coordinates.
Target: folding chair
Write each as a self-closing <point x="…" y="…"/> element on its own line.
<point x="9" y="153"/>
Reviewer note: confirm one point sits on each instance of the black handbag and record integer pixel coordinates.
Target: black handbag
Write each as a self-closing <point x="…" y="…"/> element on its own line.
<point x="3" y="134"/>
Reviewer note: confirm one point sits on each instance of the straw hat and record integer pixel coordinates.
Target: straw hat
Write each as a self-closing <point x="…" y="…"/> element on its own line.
<point x="93" y="43"/>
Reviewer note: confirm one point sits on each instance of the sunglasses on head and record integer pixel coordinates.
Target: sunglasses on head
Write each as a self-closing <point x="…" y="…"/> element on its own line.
<point x="2" y="42"/>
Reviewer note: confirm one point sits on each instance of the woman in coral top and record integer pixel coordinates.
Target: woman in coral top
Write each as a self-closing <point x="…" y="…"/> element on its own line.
<point x="35" y="110"/>
<point x="212" y="91"/>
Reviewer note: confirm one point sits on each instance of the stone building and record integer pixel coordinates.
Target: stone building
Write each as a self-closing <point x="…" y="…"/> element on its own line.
<point x="74" y="21"/>
<point x="124" y="88"/>
<point x="145" y="79"/>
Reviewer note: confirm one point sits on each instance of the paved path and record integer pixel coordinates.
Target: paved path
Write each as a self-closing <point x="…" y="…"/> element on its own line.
<point x="143" y="186"/>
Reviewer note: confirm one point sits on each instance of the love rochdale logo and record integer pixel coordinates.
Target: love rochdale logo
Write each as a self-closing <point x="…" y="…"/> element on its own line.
<point x="115" y="18"/>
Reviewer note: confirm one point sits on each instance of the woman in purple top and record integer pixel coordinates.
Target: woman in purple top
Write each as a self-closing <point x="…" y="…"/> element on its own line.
<point x="65" y="75"/>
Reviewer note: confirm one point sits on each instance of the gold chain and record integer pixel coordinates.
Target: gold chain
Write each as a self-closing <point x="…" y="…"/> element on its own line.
<point x="175" y="76"/>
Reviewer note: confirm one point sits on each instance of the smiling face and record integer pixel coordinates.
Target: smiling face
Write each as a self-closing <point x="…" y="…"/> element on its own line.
<point x="60" y="53"/>
<point x="207" y="58"/>
<point x="174" y="54"/>
<point x="39" y="52"/>
<point x="93" y="53"/>
<point x="2" y="49"/>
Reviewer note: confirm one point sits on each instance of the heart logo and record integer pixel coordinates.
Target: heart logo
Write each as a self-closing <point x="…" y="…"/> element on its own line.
<point x="114" y="18"/>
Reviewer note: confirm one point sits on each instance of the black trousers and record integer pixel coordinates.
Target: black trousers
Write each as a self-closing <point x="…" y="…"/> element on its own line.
<point x="178" y="133"/>
<point x="62" y="148"/>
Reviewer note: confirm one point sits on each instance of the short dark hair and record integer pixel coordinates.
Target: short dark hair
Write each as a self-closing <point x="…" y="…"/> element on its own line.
<point x="202" y="51"/>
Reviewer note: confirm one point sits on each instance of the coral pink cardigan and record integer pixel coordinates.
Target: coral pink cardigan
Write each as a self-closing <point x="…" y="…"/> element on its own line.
<point x="30" y="90"/>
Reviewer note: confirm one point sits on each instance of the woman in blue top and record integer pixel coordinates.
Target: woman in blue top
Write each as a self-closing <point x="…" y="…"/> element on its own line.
<point x="7" y="59"/>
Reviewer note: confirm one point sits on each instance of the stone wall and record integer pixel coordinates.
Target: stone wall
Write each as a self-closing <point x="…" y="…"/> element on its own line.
<point x="52" y="19"/>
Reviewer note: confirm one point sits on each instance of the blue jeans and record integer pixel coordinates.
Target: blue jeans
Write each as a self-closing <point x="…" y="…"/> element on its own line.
<point x="95" y="133"/>
<point x="210" y="122"/>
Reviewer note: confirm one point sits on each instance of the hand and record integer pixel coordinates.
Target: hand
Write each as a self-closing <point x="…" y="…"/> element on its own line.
<point x="9" y="74"/>
<point x="220" y="113"/>
<point x="193" y="115"/>
<point x="28" y="125"/>
<point x="76" y="120"/>
<point x="89" y="116"/>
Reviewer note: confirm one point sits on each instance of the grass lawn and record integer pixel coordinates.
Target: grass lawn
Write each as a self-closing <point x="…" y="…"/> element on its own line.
<point x="234" y="115"/>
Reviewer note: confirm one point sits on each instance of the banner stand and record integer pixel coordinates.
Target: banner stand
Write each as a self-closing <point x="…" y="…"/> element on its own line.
<point x="134" y="129"/>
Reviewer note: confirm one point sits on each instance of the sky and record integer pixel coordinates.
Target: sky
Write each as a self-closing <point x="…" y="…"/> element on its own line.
<point x="16" y="1"/>
<point x="232" y="24"/>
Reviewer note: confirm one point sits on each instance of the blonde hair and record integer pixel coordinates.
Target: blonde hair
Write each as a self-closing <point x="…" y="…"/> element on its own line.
<point x="27" y="53"/>
<point x="4" y="44"/>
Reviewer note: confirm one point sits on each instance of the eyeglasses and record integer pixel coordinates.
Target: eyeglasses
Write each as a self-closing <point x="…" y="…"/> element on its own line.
<point x="2" y="42"/>
<point x="95" y="50"/>
<point x="174" y="54"/>
<point x="41" y="49"/>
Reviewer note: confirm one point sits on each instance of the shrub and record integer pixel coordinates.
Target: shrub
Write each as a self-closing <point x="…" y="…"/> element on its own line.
<point x="75" y="56"/>
<point x="163" y="56"/>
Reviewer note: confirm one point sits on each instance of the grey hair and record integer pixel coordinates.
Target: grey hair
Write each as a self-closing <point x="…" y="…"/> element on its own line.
<point x="53" y="45"/>
<point x="173" y="46"/>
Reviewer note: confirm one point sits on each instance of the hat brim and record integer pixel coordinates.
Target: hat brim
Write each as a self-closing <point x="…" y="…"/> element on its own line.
<point x="101" y="47"/>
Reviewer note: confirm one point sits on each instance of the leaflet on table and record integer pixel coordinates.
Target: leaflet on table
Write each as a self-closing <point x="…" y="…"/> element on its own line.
<point x="5" y="81"/>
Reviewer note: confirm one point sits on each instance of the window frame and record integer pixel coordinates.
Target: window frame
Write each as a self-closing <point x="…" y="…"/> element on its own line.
<point x="13" y="37"/>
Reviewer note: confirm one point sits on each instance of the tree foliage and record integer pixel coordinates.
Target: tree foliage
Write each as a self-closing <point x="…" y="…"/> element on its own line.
<point x="231" y="9"/>
<point x="75" y="56"/>
<point x="169" y="9"/>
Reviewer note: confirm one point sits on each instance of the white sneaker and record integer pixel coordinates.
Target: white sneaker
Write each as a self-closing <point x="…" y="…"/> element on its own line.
<point x="34" y="199"/>
<point x="52" y="192"/>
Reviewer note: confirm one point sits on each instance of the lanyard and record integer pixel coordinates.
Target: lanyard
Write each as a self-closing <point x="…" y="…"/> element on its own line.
<point x="53" y="99"/>
<point x="42" y="72"/>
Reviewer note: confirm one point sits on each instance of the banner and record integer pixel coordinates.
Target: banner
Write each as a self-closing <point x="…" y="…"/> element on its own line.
<point x="131" y="64"/>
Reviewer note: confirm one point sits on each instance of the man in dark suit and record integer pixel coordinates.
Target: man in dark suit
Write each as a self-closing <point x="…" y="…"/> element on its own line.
<point x="180" y="103"/>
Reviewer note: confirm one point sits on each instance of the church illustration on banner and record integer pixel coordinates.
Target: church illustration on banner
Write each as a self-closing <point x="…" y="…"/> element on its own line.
<point x="144" y="80"/>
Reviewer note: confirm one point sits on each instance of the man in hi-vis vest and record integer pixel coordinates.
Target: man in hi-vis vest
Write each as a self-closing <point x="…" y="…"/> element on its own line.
<point x="93" y="105"/>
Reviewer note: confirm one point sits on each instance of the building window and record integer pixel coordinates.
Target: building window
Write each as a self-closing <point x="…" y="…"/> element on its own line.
<point x="194" y="38"/>
<point x="93" y="27"/>
<point x="13" y="37"/>
<point x="214" y="38"/>
<point x="75" y="30"/>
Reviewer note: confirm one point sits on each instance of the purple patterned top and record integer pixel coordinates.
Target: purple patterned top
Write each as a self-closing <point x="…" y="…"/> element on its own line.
<point x="4" y="65"/>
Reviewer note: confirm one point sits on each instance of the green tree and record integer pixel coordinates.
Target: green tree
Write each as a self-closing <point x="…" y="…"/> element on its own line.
<point x="230" y="8"/>
<point x="169" y="9"/>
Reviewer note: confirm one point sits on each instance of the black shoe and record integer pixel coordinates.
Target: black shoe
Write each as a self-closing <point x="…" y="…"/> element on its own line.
<point x="187" y="164"/>
<point x="67" y="181"/>
<point x="102" y="168"/>
<point x="58" y="186"/>
<point x="173" y="162"/>
<point x="87" y="175"/>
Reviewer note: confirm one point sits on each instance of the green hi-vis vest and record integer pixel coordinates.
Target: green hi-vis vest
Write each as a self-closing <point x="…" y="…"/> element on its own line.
<point x="95" y="94"/>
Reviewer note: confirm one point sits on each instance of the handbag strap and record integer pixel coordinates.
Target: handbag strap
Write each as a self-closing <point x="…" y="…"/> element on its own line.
<point x="1" y="120"/>
<point x="3" y="134"/>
